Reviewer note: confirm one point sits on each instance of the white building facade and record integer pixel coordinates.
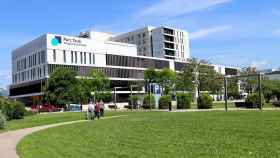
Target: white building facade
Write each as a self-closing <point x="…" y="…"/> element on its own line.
<point x="33" y="63"/>
<point x="161" y="42"/>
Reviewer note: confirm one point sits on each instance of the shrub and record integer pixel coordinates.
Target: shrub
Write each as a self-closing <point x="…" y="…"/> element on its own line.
<point x="146" y="101"/>
<point x="2" y="121"/>
<point x="252" y="101"/>
<point x="204" y="101"/>
<point x="184" y="101"/>
<point x="164" y="101"/>
<point x="14" y="110"/>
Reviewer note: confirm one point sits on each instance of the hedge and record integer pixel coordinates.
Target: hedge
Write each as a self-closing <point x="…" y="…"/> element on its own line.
<point x="184" y="100"/>
<point x="14" y="110"/>
<point x="2" y="121"/>
<point x="164" y="101"/>
<point x="204" y="101"/>
<point x="146" y="101"/>
<point x="252" y="101"/>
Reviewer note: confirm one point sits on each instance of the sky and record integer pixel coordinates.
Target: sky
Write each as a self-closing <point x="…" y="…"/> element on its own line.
<point x="228" y="32"/>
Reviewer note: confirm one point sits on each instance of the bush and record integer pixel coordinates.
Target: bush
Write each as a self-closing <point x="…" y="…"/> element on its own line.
<point x="252" y="101"/>
<point x="204" y="101"/>
<point x="184" y="101"/>
<point x="146" y="101"/>
<point x="2" y="121"/>
<point x="164" y="101"/>
<point x="14" y="110"/>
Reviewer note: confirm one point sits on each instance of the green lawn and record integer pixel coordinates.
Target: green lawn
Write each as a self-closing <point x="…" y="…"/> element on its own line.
<point x="161" y="134"/>
<point x="46" y="119"/>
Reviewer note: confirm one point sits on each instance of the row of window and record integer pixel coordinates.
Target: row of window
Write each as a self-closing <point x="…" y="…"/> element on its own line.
<point x="31" y="74"/>
<point x="31" y="61"/>
<point x="110" y="72"/>
<point x="74" y="57"/>
<point x="126" y="61"/>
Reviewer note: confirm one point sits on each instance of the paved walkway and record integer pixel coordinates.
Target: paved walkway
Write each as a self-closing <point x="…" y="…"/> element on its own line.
<point x="9" y="140"/>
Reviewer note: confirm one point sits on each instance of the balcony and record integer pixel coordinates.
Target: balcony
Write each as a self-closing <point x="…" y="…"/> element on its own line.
<point x="168" y="31"/>
<point x="169" y="38"/>
<point x="169" y="53"/>
<point x="169" y="45"/>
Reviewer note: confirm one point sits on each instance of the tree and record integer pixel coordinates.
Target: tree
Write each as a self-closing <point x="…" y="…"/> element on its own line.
<point x="167" y="79"/>
<point x="202" y="75"/>
<point x="233" y="90"/>
<point x="97" y="82"/>
<point x="250" y="83"/>
<point x="61" y="86"/>
<point x="150" y="76"/>
<point x="268" y="87"/>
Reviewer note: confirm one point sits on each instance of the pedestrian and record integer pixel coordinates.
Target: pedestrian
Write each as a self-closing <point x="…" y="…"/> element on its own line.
<point x="90" y="111"/>
<point x="102" y="108"/>
<point x="97" y="110"/>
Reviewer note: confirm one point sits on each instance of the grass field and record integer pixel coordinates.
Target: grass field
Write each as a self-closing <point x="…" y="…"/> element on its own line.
<point x="46" y="119"/>
<point x="162" y="134"/>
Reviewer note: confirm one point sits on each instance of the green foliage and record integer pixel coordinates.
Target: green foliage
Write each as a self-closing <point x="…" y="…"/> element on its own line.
<point x="151" y="75"/>
<point x="268" y="87"/>
<point x="106" y="97"/>
<point x="253" y="101"/>
<point x="204" y="101"/>
<point x="200" y="73"/>
<point x="167" y="79"/>
<point x="164" y="101"/>
<point x="250" y="82"/>
<point x="97" y="81"/>
<point x="2" y="121"/>
<point x="184" y="100"/>
<point x="61" y="88"/>
<point x="14" y="110"/>
<point x="146" y="101"/>
<point x="233" y="87"/>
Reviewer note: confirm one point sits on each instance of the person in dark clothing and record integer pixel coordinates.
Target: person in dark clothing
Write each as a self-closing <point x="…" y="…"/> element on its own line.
<point x="102" y="107"/>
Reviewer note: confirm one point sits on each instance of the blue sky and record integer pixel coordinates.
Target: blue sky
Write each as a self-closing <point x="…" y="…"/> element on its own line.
<point x="229" y="32"/>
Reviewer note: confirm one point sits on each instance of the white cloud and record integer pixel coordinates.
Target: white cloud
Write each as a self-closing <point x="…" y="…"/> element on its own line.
<point x="208" y="31"/>
<point x="259" y="64"/>
<point x="172" y="8"/>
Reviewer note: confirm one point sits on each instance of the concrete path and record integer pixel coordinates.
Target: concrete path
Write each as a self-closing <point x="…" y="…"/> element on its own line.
<point x="10" y="139"/>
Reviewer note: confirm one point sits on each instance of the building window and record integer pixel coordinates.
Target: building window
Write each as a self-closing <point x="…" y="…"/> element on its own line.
<point x="85" y="57"/>
<point x="64" y="56"/>
<point x="93" y="59"/>
<point x="76" y="58"/>
<point x="89" y="55"/>
<point x="81" y="57"/>
<point x="54" y="55"/>
<point x="72" y="57"/>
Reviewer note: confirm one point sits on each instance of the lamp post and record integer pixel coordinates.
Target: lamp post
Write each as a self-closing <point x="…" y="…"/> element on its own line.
<point x="131" y="86"/>
<point x="115" y="96"/>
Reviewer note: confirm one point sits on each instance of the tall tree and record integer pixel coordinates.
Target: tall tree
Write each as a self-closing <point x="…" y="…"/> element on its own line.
<point x="167" y="79"/>
<point x="60" y="87"/>
<point x="201" y="75"/>
<point x="97" y="82"/>
<point x="150" y="76"/>
<point x="250" y="83"/>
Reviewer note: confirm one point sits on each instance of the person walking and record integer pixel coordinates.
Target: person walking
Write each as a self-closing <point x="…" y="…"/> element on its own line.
<point x="90" y="111"/>
<point x="97" y="110"/>
<point x="102" y="108"/>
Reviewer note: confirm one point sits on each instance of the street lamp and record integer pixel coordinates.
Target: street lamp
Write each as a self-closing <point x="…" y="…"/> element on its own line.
<point x="131" y="86"/>
<point x="115" y="96"/>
